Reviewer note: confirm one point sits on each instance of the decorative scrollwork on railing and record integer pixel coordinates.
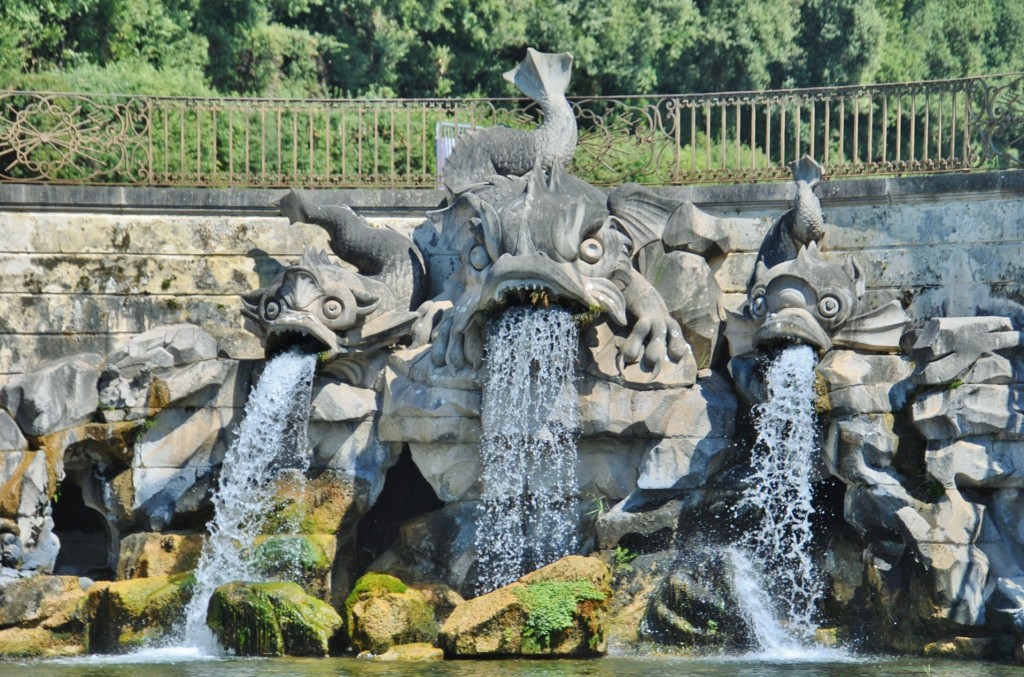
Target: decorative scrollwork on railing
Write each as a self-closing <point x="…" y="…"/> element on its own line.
<point x="997" y="121"/>
<point x="862" y="130"/>
<point x="73" y="138"/>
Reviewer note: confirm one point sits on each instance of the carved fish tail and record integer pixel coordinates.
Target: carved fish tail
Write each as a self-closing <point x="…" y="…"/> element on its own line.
<point x="806" y="170"/>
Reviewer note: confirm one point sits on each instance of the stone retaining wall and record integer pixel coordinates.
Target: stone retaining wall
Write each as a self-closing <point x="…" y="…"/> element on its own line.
<point x="83" y="269"/>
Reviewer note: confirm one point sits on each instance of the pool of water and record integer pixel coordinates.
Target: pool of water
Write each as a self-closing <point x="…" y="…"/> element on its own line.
<point x="189" y="663"/>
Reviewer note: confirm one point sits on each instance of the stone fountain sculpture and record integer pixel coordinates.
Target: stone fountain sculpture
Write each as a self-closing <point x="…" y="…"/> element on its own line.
<point x="921" y="425"/>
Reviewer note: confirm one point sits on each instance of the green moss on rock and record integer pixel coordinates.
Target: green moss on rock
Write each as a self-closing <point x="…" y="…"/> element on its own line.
<point x="300" y="558"/>
<point x="123" y="615"/>
<point x="373" y="583"/>
<point x="558" y="610"/>
<point x="271" y="619"/>
<point x="382" y="612"/>
<point x="38" y="643"/>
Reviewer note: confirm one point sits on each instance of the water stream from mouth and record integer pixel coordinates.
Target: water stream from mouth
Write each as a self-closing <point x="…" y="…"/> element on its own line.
<point x="270" y="438"/>
<point x="775" y="580"/>
<point x="530" y="428"/>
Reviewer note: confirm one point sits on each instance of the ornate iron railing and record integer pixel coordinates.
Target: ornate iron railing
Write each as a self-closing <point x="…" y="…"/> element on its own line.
<point x="904" y="128"/>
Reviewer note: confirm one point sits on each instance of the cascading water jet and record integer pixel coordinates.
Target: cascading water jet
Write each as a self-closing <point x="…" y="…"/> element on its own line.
<point x="777" y="548"/>
<point x="529" y="446"/>
<point x="271" y="437"/>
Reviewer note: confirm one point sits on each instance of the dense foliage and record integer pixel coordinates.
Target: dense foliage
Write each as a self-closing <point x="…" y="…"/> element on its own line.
<point x="416" y="48"/>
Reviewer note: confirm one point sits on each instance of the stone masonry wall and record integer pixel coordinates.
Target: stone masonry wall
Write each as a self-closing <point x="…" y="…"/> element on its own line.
<point x="84" y="269"/>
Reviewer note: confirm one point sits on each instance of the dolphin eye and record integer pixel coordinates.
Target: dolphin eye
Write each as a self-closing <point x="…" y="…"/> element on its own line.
<point x="759" y="306"/>
<point x="332" y="309"/>
<point x="828" y="306"/>
<point x="591" y="250"/>
<point x="478" y="257"/>
<point x="272" y="310"/>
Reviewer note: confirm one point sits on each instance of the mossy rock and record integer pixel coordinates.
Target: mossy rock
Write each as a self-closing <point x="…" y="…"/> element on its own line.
<point x="415" y="652"/>
<point x="145" y="555"/>
<point x="558" y="610"/>
<point x="693" y="608"/>
<point x="318" y="506"/>
<point x="38" y="643"/>
<point x="305" y="559"/>
<point x="271" y="619"/>
<point x="382" y="612"/>
<point x="124" y="615"/>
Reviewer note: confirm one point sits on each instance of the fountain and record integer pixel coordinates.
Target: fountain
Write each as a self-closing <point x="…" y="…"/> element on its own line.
<point x="542" y="363"/>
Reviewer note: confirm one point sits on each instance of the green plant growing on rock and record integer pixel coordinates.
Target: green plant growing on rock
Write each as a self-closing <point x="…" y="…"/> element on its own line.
<point x="551" y="607"/>
<point x="599" y="508"/>
<point x="621" y="559"/>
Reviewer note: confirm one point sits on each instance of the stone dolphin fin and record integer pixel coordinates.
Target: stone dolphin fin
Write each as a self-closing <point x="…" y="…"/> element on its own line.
<point x="878" y="330"/>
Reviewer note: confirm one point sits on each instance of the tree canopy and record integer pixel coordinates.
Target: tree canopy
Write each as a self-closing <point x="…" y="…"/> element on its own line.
<point x="424" y="48"/>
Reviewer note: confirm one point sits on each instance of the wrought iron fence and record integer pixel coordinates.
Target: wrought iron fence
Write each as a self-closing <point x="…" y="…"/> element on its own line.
<point x="905" y="128"/>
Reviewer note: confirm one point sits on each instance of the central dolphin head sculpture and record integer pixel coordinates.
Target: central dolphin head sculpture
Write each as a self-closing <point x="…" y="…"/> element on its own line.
<point x="556" y="237"/>
<point x="542" y="239"/>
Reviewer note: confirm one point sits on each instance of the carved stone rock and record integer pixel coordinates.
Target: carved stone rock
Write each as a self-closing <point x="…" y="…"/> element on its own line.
<point x="56" y="395"/>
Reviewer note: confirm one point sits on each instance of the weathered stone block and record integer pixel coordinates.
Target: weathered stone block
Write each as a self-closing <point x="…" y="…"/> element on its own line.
<point x="382" y="611"/>
<point x="611" y="410"/>
<point x="56" y="395"/>
<point x="453" y="470"/>
<point x="683" y="462"/>
<point x="304" y="559"/>
<point x="861" y="450"/>
<point x="416" y="412"/>
<point x="557" y="610"/>
<point x="11" y="438"/>
<point x="124" y="615"/>
<point x="31" y="600"/>
<point x="970" y="409"/>
<point x="978" y="462"/>
<point x="146" y="555"/>
<point x="341" y="402"/>
<point x="846" y="368"/>
<point x="947" y="346"/>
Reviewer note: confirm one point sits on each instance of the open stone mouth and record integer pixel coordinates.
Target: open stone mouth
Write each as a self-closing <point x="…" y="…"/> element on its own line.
<point x="537" y="295"/>
<point x="285" y="339"/>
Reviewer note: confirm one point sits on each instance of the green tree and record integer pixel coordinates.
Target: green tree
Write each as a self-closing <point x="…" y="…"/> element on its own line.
<point x="841" y="41"/>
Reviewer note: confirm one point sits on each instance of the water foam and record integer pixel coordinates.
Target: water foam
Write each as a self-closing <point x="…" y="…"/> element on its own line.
<point x="530" y="429"/>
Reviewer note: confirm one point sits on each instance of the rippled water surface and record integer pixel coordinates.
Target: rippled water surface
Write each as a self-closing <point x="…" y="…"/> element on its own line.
<point x="186" y="663"/>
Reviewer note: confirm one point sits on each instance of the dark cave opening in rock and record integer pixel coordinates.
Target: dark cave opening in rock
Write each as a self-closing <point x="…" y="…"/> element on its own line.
<point x="84" y="538"/>
<point x="406" y="494"/>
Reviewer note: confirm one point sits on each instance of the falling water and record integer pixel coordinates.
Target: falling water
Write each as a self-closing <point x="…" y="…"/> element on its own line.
<point x="271" y="436"/>
<point x="530" y="425"/>
<point x="780" y="493"/>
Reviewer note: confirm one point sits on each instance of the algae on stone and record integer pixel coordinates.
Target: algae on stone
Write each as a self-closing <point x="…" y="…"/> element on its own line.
<point x="271" y="619"/>
<point x="38" y="643"/>
<point x="305" y="559"/>
<point x="382" y="612"/>
<point x="123" y="615"/>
